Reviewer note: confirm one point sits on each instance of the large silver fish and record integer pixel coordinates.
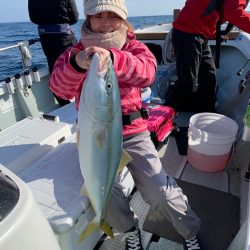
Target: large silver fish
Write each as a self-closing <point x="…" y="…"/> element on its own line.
<point x="100" y="139"/>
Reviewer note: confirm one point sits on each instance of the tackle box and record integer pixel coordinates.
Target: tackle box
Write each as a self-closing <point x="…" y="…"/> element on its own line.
<point x="160" y="121"/>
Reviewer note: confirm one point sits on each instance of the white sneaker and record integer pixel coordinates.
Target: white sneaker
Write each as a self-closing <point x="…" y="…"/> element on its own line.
<point x="133" y="239"/>
<point x="192" y="244"/>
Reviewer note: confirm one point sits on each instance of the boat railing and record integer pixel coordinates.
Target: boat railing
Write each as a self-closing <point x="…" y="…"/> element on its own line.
<point x="162" y="35"/>
<point x="30" y="42"/>
<point x="24" y="49"/>
<point x="24" y="92"/>
<point x="28" y="74"/>
<point x="25" y="78"/>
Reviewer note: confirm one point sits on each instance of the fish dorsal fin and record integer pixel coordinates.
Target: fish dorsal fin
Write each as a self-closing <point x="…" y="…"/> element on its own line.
<point x="84" y="191"/>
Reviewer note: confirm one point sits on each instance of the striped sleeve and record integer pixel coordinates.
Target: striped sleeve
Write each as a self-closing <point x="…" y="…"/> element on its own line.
<point x="65" y="80"/>
<point x="135" y="65"/>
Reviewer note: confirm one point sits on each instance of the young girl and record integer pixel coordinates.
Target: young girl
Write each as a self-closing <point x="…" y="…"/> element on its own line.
<point x="107" y="32"/>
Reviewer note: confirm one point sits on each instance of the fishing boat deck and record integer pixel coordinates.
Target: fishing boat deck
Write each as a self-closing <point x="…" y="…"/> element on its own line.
<point x="172" y="152"/>
<point x="176" y="165"/>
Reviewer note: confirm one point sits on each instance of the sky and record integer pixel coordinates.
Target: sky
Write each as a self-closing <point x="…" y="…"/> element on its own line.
<point x="17" y="10"/>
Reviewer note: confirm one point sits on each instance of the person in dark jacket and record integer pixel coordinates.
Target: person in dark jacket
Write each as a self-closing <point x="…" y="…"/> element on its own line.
<point x="54" y="20"/>
<point x="195" y="24"/>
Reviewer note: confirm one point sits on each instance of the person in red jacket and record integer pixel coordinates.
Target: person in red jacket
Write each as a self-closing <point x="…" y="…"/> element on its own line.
<point x="195" y="24"/>
<point x="107" y="32"/>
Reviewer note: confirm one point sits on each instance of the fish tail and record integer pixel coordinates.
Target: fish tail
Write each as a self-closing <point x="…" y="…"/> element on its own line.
<point x="91" y="227"/>
<point x="107" y="229"/>
<point x="95" y="226"/>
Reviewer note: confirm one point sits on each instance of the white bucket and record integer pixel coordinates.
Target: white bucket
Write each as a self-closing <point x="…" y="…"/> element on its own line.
<point x="211" y="137"/>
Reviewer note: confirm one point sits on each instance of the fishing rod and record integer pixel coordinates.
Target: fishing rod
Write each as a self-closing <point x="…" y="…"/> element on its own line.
<point x="244" y="82"/>
<point x="247" y="174"/>
<point x="239" y="73"/>
<point x="246" y="136"/>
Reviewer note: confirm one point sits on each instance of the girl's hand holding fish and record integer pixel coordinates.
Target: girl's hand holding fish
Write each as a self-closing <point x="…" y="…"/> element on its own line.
<point x="84" y="57"/>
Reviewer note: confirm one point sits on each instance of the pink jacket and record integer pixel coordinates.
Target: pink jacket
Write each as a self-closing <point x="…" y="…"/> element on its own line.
<point x="192" y="19"/>
<point x="135" y="67"/>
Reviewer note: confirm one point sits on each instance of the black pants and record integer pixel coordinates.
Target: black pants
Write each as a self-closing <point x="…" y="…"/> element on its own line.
<point x="195" y="66"/>
<point x="53" y="46"/>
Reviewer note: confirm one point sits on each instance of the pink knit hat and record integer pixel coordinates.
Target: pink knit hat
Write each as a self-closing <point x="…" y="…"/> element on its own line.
<point x="92" y="7"/>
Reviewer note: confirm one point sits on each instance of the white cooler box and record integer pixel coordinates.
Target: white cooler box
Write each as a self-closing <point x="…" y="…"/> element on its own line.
<point x="67" y="114"/>
<point x="55" y="181"/>
<point x="26" y="141"/>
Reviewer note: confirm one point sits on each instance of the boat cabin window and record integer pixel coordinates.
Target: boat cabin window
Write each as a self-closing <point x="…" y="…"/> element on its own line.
<point x="9" y="195"/>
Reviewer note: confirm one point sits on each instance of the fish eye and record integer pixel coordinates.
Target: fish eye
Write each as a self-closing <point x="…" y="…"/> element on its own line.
<point x="109" y="85"/>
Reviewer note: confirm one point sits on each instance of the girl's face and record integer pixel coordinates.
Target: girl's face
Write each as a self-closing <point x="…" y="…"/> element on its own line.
<point x="105" y="22"/>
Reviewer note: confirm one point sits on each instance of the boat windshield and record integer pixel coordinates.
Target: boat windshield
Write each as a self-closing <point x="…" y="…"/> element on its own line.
<point x="9" y="195"/>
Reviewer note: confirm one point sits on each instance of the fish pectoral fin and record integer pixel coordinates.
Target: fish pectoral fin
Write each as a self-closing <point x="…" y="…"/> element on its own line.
<point x="91" y="227"/>
<point x="105" y="227"/>
<point x="125" y="159"/>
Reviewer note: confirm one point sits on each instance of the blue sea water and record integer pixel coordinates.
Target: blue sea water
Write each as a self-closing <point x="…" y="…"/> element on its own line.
<point x="12" y="33"/>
